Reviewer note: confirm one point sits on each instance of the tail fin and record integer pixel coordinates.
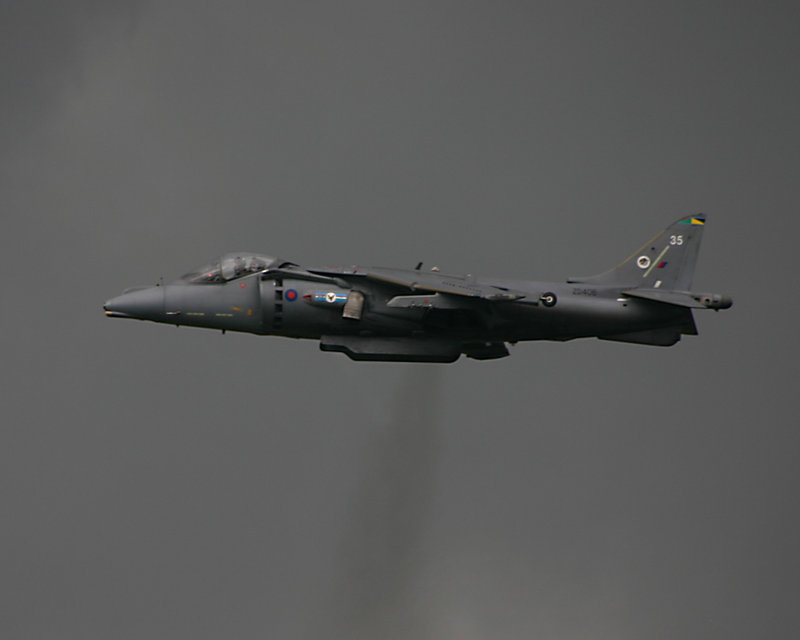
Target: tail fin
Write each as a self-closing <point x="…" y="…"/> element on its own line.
<point x="665" y="262"/>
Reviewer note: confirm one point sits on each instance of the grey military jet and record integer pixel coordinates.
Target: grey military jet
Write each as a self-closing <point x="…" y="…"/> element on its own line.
<point x="411" y="315"/>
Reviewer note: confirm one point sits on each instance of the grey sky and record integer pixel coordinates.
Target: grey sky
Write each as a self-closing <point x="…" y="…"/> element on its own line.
<point x="177" y="483"/>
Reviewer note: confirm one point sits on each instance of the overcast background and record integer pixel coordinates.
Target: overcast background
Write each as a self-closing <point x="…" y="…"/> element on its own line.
<point x="163" y="483"/>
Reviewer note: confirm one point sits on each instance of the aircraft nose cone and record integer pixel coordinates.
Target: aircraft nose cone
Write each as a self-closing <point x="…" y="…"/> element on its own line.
<point x="142" y="303"/>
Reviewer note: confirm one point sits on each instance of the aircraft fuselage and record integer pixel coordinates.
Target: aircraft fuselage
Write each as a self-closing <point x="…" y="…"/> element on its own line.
<point x="416" y="315"/>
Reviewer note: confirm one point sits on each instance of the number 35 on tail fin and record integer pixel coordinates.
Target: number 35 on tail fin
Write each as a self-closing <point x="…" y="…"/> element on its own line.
<point x="662" y="269"/>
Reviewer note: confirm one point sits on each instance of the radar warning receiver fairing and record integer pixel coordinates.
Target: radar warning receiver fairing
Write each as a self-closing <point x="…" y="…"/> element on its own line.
<point x="411" y="315"/>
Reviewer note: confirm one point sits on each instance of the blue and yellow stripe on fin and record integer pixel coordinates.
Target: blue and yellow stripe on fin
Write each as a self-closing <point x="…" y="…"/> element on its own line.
<point x="694" y="220"/>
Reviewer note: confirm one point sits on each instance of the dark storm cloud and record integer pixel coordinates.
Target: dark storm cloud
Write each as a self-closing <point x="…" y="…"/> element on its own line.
<point x="174" y="482"/>
<point x="43" y="46"/>
<point x="382" y="555"/>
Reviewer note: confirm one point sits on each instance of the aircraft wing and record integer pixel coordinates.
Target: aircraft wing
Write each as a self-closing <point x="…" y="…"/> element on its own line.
<point x="442" y="285"/>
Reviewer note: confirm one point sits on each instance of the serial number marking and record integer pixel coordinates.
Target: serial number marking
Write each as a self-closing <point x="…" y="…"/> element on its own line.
<point x="577" y="291"/>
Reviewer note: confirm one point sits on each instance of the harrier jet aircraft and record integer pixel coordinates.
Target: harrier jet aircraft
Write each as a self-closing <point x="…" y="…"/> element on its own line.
<point x="411" y="315"/>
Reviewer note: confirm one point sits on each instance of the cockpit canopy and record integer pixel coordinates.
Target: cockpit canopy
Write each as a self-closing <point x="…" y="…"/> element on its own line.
<point x="232" y="266"/>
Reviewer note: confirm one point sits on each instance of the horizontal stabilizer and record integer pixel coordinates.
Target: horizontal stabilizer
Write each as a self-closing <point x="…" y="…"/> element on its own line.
<point x="688" y="299"/>
<point x="678" y="298"/>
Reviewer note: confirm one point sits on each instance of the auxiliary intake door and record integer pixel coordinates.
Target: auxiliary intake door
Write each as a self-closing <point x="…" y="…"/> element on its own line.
<point x="354" y="306"/>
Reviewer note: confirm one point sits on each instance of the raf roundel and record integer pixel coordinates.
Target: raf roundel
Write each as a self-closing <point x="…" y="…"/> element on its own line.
<point x="291" y="295"/>
<point x="643" y="262"/>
